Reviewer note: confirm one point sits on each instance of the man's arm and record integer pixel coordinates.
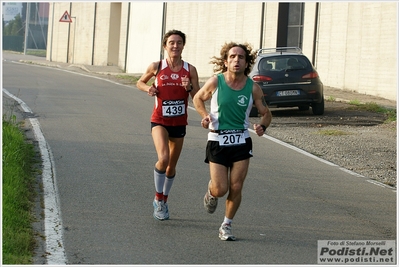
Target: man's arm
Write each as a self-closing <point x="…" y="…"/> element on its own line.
<point x="204" y="94"/>
<point x="194" y="81"/>
<point x="264" y="111"/>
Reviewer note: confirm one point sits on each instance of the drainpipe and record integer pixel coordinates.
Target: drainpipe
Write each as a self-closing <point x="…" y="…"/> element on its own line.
<point x="69" y="33"/>
<point x="262" y="24"/>
<point x="161" y="55"/>
<point x="127" y="35"/>
<point x="94" y="33"/>
<point x="315" y="34"/>
<point x="27" y="20"/>
<point x="52" y="32"/>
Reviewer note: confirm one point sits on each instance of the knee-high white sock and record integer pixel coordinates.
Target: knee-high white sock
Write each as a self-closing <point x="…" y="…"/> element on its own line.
<point x="168" y="185"/>
<point x="159" y="180"/>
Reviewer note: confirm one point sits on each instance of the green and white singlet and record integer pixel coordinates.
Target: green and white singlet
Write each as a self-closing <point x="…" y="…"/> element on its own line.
<point x="230" y="108"/>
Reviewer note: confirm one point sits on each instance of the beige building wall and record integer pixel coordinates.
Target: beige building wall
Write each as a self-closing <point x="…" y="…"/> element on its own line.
<point x="145" y="35"/>
<point x="114" y="34"/>
<point x="57" y="37"/>
<point x="357" y="47"/>
<point x="91" y="39"/>
<point x="309" y="29"/>
<point x="270" y="25"/>
<point x="98" y="52"/>
<point x="208" y="25"/>
<point x="123" y="35"/>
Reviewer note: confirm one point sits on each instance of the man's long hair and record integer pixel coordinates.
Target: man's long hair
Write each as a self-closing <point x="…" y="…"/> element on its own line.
<point x="218" y="62"/>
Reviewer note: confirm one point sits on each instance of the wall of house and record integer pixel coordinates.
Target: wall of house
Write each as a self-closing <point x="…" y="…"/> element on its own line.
<point x="123" y="35"/>
<point x="208" y="25"/>
<point x="97" y="31"/>
<point x="270" y="25"/>
<point x="114" y="34"/>
<point x="58" y="32"/>
<point x="355" y="46"/>
<point x="145" y="35"/>
<point x="309" y="25"/>
<point x="86" y="39"/>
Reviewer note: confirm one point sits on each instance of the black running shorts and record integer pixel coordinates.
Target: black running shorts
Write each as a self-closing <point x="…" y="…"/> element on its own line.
<point x="173" y="131"/>
<point x="227" y="155"/>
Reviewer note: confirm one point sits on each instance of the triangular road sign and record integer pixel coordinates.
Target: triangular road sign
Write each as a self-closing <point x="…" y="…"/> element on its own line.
<point x="66" y="17"/>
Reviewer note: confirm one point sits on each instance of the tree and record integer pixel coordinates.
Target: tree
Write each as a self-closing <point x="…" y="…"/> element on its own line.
<point x="14" y="27"/>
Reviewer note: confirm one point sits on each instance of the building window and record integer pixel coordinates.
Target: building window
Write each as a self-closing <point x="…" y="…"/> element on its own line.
<point x="290" y="24"/>
<point x="295" y="24"/>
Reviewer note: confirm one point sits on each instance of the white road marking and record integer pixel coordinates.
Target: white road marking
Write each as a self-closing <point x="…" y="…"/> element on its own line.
<point x="320" y="159"/>
<point x="53" y="223"/>
<point x="325" y="161"/>
<point x="52" y="213"/>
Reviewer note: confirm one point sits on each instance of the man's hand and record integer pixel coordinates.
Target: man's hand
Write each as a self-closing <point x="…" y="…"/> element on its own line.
<point x="205" y="122"/>
<point x="258" y="129"/>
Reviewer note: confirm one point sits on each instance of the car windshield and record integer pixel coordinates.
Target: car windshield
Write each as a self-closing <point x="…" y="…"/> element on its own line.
<point x="283" y="63"/>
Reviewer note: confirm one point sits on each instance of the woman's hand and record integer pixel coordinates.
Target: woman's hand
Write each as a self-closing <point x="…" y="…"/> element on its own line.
<point x="152" y="90"/>
<point x="185" y="82"/>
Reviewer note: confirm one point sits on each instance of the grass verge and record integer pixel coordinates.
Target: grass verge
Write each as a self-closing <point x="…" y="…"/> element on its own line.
<point x="32" y="52"/>
<point x="332" y="132"/>
<point x="374" y="107"/>
<point x="18" y="195"/>
<point x="132" y="79"/>
<point x="129" y="78"/>
<point x="36" y="52"/>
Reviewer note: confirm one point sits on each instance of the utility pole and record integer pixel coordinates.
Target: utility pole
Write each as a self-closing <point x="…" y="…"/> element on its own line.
<point x="27" y="27"/>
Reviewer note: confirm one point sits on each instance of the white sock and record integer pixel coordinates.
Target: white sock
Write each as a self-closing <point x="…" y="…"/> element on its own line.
<point x="168" y="185"/>
<point x="159" y="180"/>
<point x="227" y="220"/>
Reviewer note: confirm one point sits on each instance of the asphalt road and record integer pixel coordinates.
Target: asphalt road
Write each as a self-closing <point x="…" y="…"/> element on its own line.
<point x="99" y="135"/>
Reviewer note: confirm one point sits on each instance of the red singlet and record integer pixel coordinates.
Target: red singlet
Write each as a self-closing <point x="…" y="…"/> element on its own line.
<point x="171" y="101"/>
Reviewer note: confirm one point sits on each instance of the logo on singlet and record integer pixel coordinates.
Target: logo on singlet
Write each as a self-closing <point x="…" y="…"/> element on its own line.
<point x="174" y="76"/>
<point x="242" y="100"/>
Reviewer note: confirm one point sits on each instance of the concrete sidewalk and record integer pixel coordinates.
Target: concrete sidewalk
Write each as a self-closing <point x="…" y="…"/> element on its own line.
<point x="329" y="92"/>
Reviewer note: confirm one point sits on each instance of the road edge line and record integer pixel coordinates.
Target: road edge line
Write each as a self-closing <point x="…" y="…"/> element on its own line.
<point x="52" y="213"/>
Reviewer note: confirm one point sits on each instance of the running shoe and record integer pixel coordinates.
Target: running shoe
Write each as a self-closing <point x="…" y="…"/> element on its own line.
<point x="210" y="202"/>
<point x="225" y="233"/>
<point x="160" y="210"/>
<point x="165" y="206"/>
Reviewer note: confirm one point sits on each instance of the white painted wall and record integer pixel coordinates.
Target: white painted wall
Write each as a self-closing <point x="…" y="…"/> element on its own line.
<point x="357" y="47"/>
<point x="356" y="44"/>
<point x="57" y="37"/>
<point x="101" y="35"/>
<point x="270" y="27"/>
<point x="208" y="25"/>
<point x="308" y="29"/>
<point x="123" y="34"/>
<point x="145" y="35"/>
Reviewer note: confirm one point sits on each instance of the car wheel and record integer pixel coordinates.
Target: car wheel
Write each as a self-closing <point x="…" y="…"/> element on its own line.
<point x="304" y="108"/>
<point x="318" y="108"/>
<point x="254" y="112"/>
